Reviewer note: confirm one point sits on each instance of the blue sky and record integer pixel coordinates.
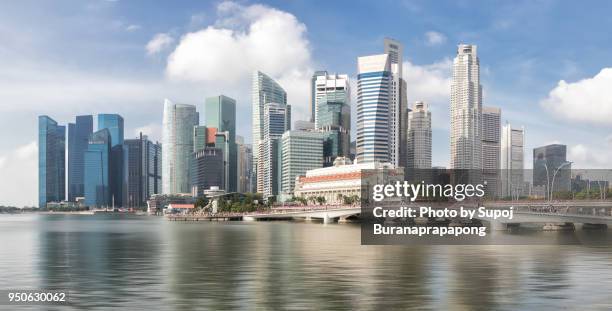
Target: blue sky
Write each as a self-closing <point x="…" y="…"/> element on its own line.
<point x="64" y="58"/>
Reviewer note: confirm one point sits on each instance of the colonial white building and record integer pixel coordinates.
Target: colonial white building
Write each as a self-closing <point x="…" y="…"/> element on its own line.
<point x="343" y="178"/>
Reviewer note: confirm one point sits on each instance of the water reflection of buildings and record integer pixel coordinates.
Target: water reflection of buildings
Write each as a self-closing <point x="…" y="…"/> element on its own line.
<point x="101" y="261"/>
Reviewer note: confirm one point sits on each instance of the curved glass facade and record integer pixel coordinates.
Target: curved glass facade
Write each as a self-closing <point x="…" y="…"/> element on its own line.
<point x="177" y="146"/>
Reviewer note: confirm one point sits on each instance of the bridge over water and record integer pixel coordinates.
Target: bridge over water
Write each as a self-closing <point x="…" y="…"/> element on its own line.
<point x="581" y="212"/>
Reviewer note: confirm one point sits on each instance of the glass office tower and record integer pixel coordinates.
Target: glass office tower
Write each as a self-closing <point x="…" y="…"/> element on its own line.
<point x="114" y="124"/>
<point x="142" y="178"/>
<point x="51" y="161"/>
<point x="78" y="138"/>
<point x="97" y="169"/>
<point x="220" y="113"/>
<point x="177" y="146"/>
<point x="373" y="104"/>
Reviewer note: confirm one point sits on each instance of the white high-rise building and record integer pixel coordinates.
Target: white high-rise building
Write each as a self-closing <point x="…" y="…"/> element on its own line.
<point x="177" y="146"/>
<point x="373" y="99"/>
<point x="277" y="120"/>
<point x="397" y="104"/>
<point x="491" y="128"/>
<point x="381" y="107"/>
<point x="265" y="90"/>
<point x="466" y="110"/>
<point x="419" y="137"/>
<point x="512" y="161"/>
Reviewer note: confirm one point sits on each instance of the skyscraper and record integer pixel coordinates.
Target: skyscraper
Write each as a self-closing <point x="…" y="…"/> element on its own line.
<point x="114" y="124"/>
<point x="265" y="91"/>
<point x="512" y="161"/>
<point x="332" y="113"/>
<point x="419" y="137"/>
<point x="78" y="137"/>
<point x="551" y="170"/>
<point x="177" y="146"/>
<point x="98" y="169"/>
<point x="244" y="166"/>
<point x="300" y="151"/>
<point x="206" y="138"/>
<point x="374" y="82"/>
<point x="207" y="170"/>
<point x="51" y="161"/>
<point x="313" y="94"/>
<point x="220" y="112"/>
<point x="466" y="110"/>
<point x="142" y="167"/>
<point x="277" y="120"/>
<point x="397" y="104"/>
<point x="491" y="127"/>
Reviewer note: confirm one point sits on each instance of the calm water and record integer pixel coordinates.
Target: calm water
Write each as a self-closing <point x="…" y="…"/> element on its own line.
<point x="147" y="263"/>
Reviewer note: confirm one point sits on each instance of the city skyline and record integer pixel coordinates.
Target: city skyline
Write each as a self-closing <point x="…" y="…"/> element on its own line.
<point x="541" y="127"/>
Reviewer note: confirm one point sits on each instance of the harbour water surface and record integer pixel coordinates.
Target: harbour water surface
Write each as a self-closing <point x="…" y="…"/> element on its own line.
<point x="146" y="263"/>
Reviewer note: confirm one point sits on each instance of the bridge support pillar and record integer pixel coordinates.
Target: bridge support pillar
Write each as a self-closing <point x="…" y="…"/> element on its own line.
<point x="594" y="227"/>
<point x="327" y="219"/>
<point x="500" y="226"/>
<point x="559" y="226"/>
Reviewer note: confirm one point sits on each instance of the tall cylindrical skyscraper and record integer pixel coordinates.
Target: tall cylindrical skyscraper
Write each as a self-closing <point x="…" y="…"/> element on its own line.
<point x="466" y="110"/>
<point x="177" y="146"/>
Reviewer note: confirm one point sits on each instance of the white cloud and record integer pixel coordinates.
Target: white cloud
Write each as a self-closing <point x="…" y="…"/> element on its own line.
<point x="159" y="43"/>
<point x="26" y="151"/>
<point x="434" y="38"/>
<point x="133" y="27"/>
<point x="588" y="157"/>
<point x="430" y="83"/>
<point x="588" y="100"/>
<point x="21" y="186"/>
<point x="152" y="130"/>
<point x="244" y="39"/>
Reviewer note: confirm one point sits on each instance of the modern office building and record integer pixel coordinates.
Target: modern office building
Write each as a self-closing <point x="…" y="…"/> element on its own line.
<point x="51" y="161"/>
<point x="98" y="160"/>
<point x="374" y="81"/>
<point x="302" y="125"/>
<point x="301" y="151"/>
<point x="220" y="113"/>
<point x="244" y="166"/>
<point x="78" y="138"/>
<point x="142" y="167"/>
<point x="264" y="91"/>
<point x="398" y="103"/>
<point x="210" y="137"/>
<point x="491" y="136"/>
<point x="419" y="137"/>
<point x="177" y="146"/>
<point x="277" y="120"/>
<point x="466" y="110"/>
<point x="114" y="124"/>
<point x="313" y="95"/>
<point x="207" y="170"/>
<point x="332" y="113"/>
<point x="512" y="161"/>
<point x="551" y="170"/>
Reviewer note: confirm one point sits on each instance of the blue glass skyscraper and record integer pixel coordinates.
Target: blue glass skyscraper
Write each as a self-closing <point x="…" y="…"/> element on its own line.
<point x="97" y="169"/>
<point x="51" y="161"/>
<point x="78" y="137"/>
<point x="114" y="124"/>
<point x="373" y="101"/>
